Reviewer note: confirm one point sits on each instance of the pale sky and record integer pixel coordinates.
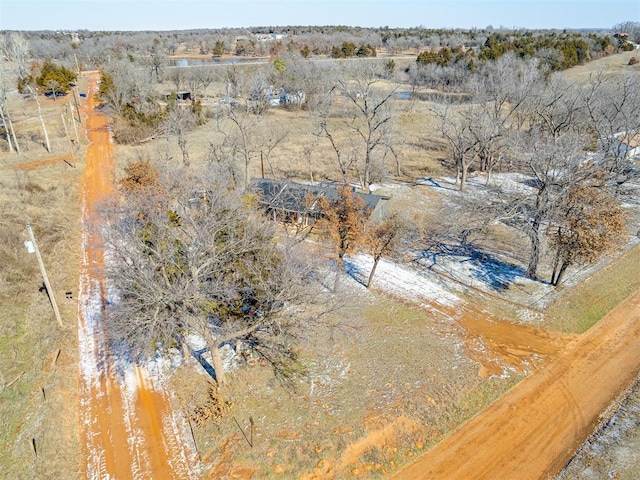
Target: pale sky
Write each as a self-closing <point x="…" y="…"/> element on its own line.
<point x="191" y="14"/>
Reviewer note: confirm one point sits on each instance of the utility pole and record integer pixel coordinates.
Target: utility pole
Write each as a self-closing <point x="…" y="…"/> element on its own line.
<point x="75" y="127"/>
<point x="75" y="99"/>
<point x="45" y="277"/>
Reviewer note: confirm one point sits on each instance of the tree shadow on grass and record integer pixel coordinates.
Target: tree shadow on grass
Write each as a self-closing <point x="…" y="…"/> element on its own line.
<point x="199" y="356"/>
<point x="357" y="272"/>
<point x="495" y="273"/>
<point x="431" y="182"/>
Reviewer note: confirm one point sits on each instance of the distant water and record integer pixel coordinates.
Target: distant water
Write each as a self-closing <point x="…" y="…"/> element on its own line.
<point x="199" y="62"/>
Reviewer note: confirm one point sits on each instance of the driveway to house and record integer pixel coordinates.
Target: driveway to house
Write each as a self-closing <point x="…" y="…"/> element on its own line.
<point x="533" y="430"/>
<point x="128" y="430"/>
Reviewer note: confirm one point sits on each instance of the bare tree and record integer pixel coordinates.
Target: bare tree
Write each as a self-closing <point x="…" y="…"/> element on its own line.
<point x="198" y="79"/>
<point x="238" y="145"/>
<point x="346" y="153"/>
<point x="613" y="106"/>
<point x="455" y="124"/>
<point x="499" y="92"/>
<point x="123" y="84"/>
<point x="199" y="260"/>
<point x="34" y="95"/>
<point x="17" y="49"/>
<point x="369" y="116"/>
<point x="558" y="107"/>
<point x="154" y="61"/>
<point x="244" y="135"/>
<point x="178" y="123"/>
<point x="555" y="165"/>
<point x="177" y="76"/>
<point x="4" y="114"/>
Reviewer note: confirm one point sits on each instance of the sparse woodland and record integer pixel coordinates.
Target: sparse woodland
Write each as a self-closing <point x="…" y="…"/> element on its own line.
<point x="494" y="100"/>
<point x="191" y="253"/>
<point x="492" y="97"/>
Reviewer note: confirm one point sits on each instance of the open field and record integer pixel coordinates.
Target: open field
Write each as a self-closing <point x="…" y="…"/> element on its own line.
<point x="611" y="64"/>
<point x="38" y="359"/>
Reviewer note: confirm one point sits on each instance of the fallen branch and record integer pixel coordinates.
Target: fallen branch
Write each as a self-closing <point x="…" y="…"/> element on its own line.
<point x="13" y="381"/>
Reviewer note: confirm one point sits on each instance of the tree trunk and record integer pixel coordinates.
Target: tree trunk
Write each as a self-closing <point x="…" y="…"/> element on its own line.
<point x="246" y="171"/>
<point x="221" y="378"/>
<point x="13" y="133"/>
<point x="6" y="130"/>
<point x="559" y="267"/>
<point x="366" y="180"/>
<point x="182" y="143"/>
<point x="558" y="278"/>
<point x="464" y="171"/>
<point x="534" y="258"/>
<point x="556" y="265"/>
<point x="373" y="271"/>
<point x="336" y="281"/>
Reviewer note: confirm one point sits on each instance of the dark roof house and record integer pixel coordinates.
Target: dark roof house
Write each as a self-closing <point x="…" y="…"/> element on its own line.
<point x="292" y="201"/>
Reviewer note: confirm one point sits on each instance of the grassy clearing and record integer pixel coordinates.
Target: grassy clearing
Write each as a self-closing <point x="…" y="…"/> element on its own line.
<point x="583" y="306"/>
<point x="611" y="64"/>
<point x="378" y="384"/>
<point x="38" y="384"/>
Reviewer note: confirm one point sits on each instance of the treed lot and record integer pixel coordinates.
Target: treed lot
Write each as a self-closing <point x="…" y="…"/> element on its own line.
<point x="490" y="151"/>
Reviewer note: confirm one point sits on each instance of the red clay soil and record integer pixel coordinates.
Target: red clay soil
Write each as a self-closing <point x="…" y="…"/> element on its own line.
<point x="34" y="164"/>
<point x="127" y="427"/>
<point x="533" y="430"/>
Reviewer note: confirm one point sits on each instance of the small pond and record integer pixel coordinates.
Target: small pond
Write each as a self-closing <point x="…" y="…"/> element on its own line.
<point x="404" y="95"/>
<point x="200" y="62"/>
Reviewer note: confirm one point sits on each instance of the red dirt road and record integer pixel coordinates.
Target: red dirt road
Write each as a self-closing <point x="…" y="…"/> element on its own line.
<point x="128" y="430"/>
<point x="532" y="431"/>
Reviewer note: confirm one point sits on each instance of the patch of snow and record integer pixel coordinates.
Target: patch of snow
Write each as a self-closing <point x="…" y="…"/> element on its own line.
<point x="530" y="316"/>
<point x="401" y="281"/>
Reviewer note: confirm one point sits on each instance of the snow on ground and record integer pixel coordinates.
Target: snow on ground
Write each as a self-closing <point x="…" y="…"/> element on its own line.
<point x="201" y="352"/>
<point x="96" y="365"/>
<point x="401" y="281"/>
<point x="469" y="269"/>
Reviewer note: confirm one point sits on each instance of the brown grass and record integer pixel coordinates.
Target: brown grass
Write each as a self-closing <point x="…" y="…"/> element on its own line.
<point x="611" y="64"/>
<point x="376" y="384"/>
<point x="38" y="360"/>
<point x="379" y="383"/>
<point x="40" y="404"/>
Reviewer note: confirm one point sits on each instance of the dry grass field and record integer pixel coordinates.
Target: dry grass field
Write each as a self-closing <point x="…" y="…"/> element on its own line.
<point x="38" y="359"/>
<point x="611" y="64"/>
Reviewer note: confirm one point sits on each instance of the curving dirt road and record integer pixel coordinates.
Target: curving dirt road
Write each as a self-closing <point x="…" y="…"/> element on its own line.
<point x="533" y="430"/>
<point x="128" y="430"/>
